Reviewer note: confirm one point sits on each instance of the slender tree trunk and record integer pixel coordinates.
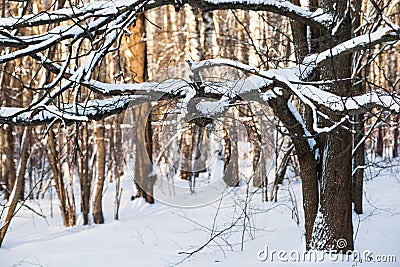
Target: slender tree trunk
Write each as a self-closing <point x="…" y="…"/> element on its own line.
<point x="358" y="144"/>
<point x="85" y="179"/>
<point x="358" y="165"/>
<point x="231" y="175"/>
<point x="396" y="138"/>
<point x="21" y="170"/>
<point x="208" y="34"/>
<point x="117" y="165"/>
<point x="185" y="148"/>
<point x="9" y="161"/>
<point x="67" y="209"/>
<point x="100" y="173"/>
<point x="16" y="191"/>
<point x="379" y="142"/>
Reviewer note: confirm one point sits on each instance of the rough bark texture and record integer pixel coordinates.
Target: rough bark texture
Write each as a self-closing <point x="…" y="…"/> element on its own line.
<point x="334" y="221"/>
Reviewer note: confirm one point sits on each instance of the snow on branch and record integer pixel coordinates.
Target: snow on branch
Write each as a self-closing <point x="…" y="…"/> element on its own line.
<point x="112" y="8"/>
<point x="382" y="35"/>
<point x="89" y="10"/>
<point x="90" y="110"/>
<point x="317" y="19"/>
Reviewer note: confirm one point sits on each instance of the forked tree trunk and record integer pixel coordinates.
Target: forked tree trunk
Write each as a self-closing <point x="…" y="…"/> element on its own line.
<point x="334" y="165"/>
<point x="307" y="161"/>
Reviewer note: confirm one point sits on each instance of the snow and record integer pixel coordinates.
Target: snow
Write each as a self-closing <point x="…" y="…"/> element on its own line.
<point x="317" y="16"/>
<point x="360" y="41"/>
<point x="155" y="235"/>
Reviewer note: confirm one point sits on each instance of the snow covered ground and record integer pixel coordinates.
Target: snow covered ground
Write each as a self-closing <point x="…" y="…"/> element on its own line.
<point x="161" y="235"/>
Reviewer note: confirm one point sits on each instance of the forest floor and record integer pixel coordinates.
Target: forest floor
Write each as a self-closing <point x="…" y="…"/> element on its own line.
<point x="162" y="235"/>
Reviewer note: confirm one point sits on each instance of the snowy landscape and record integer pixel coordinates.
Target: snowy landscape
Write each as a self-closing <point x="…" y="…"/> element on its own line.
<point x="199" y="133"/>
<point x="161" y="235"/>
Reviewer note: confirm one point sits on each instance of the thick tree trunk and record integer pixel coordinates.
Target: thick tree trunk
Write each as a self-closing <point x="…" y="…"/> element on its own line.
<point x="334" y="221"/>
<point x="144" y="176"/>
<point x="100" y="173"/>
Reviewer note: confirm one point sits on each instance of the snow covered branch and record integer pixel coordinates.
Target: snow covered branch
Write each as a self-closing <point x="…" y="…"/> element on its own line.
<point x="113" y="8"/>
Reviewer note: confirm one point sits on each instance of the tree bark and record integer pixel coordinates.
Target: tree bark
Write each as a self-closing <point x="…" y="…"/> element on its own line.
<point x="231" y="174"/>
<point x="144" y="176"/>
<point x="16" y="191"/>
<point x="358" y="165"/>
<point x="334" y="221"/>
<point x="358" y="144"/>
<point x="98" y="217"/>
<point x="307" y="161"/>
<point x="85" y="179"/>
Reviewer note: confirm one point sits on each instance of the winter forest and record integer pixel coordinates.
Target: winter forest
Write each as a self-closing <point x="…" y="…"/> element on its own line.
<point x="199" y="132"/>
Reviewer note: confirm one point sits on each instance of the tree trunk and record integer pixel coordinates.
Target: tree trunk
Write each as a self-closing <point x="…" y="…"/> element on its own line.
<point x="231" y="174"/>
<point x="379" y="142"/>
<point x="9" y="161"/>
<point x="358" y="165"/>
<point x="15" y="194"/>
<point x="85" y="179"/>
<point x="100" y="173"/>
<point x="334" y="221"/>
<point x="396" y="138"/>
<point x="67" y="211"/>
<point x="358" y="144"/>
<point x="144" y="176"/>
